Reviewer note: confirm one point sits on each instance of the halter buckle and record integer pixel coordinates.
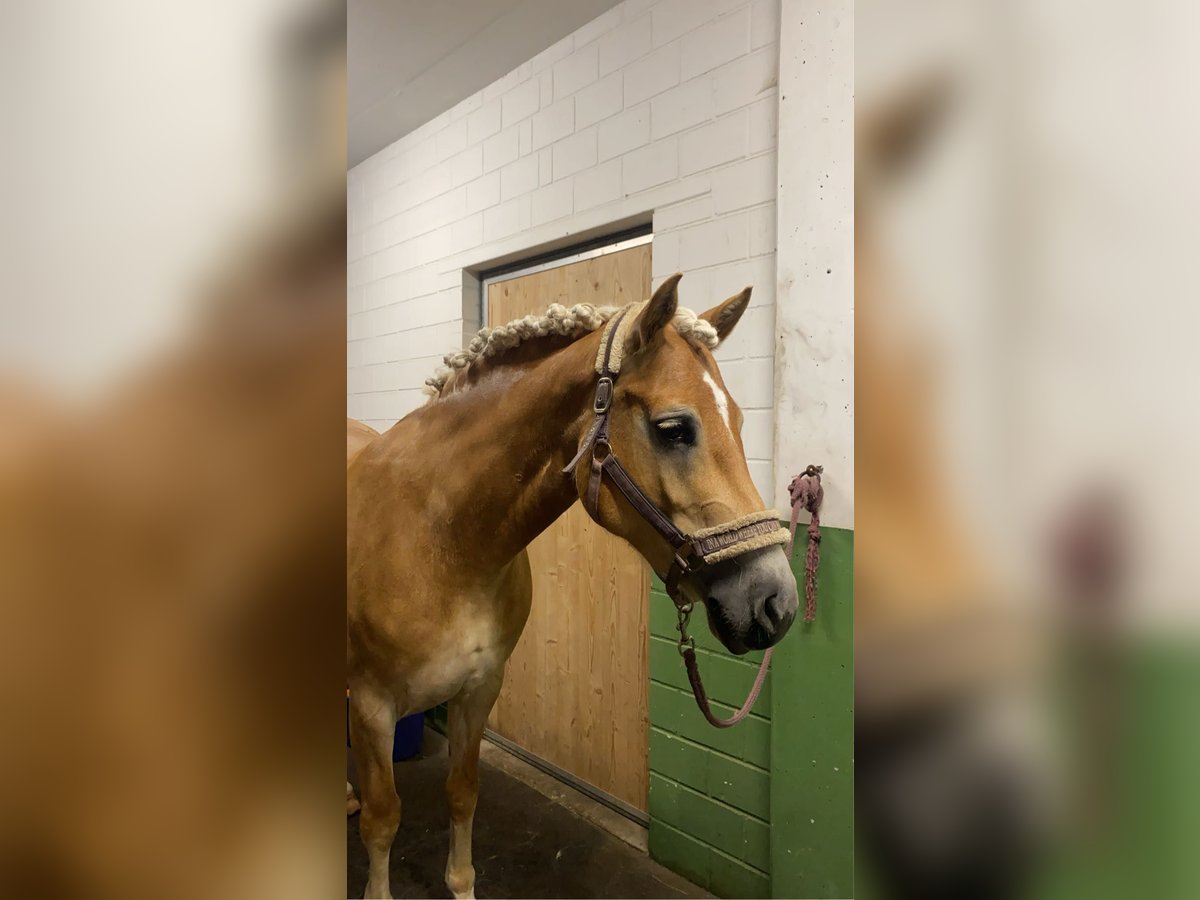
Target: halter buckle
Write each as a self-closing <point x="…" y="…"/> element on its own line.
<point x="685" y="556"/>
<point x="604" y="395"/>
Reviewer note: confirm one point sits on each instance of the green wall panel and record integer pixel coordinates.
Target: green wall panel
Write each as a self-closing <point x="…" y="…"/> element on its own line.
<point x="812" y="737"/>
<point x="764" y="808"/>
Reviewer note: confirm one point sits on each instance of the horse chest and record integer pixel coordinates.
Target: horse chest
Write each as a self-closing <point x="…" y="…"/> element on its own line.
<point x="471" y="655"/>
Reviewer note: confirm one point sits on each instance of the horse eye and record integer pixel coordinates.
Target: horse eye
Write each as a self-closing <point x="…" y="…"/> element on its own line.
<point x="676" y="432"/>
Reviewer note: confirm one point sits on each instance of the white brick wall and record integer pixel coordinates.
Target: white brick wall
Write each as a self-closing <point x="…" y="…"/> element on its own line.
<point x="662" y="107"/>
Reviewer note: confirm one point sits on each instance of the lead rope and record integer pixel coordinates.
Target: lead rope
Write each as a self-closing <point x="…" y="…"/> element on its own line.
<point x="806" y="493"/>
<point x="687" y="649"/>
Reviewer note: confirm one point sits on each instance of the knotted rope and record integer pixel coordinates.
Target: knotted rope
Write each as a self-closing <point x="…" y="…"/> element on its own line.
<point x="806" y="493"/>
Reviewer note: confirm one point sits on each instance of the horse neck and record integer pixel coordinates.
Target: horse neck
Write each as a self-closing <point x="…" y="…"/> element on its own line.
<point x="506" y="441"/>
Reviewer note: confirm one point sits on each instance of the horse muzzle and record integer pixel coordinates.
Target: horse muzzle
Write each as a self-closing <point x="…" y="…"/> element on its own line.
<point x="750" y="599"/>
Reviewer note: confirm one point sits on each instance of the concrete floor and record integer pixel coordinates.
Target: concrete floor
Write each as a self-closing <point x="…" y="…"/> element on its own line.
<point x="534" y="837"/>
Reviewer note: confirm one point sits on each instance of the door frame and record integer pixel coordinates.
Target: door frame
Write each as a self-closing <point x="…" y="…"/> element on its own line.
<point x="602" y="246"/>
<point x="634" y="237"/>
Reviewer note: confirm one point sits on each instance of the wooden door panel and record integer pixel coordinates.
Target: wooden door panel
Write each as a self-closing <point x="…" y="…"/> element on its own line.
<point x="576" y="689"/>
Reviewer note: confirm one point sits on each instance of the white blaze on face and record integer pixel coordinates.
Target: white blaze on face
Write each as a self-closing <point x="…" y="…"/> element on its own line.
<point x="721" y="398"/>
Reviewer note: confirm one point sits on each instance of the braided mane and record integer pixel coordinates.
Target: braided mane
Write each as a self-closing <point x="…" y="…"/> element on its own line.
<point x="557" y="321"/>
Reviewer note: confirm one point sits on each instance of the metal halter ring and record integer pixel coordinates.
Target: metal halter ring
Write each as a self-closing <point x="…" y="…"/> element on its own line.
<point x="686" y="642"/>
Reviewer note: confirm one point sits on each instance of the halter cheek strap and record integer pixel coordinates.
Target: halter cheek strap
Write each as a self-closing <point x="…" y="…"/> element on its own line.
<point x="691" y="552"/>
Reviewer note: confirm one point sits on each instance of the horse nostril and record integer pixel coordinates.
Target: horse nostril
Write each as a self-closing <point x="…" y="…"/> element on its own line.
<point x="774" y="608"/>
<point x="770" y="615"/>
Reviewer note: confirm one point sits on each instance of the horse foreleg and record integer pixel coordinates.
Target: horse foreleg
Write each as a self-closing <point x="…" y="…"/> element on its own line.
<point x="372" y="731"/>
<point x="468" y="715"/>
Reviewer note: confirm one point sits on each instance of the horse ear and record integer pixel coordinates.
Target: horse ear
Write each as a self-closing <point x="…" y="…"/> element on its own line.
<point x="725" y="315"/>
<point x="655" y="317"/>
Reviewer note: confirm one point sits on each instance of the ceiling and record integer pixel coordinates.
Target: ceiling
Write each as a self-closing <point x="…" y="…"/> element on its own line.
<point x="409" y="60"/>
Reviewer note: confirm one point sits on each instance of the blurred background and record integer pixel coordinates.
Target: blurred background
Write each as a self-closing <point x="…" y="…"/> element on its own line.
<point x="1026" y="625"/>
<point x="172" y="290"/>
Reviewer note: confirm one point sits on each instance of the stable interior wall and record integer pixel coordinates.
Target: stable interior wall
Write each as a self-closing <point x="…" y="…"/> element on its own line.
<point x="655" y="111"/>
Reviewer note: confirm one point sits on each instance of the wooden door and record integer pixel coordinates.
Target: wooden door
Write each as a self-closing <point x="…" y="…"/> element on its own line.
<point x="576" y="690"/>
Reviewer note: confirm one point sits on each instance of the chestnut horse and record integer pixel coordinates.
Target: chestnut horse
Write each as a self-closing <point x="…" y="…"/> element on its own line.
<point x="442" y="506"/>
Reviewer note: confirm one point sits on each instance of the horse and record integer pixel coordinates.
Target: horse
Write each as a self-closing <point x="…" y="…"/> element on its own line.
<point x="441" y="507"/>
<point x="952" y="781"/>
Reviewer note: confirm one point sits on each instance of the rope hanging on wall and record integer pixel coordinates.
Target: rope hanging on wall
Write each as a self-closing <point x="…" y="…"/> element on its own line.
<point x="806" y="493"/>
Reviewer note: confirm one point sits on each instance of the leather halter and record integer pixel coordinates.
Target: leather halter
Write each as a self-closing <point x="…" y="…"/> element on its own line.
<point x="692" y="552"/>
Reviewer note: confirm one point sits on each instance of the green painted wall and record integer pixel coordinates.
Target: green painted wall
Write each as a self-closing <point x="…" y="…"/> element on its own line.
<point x="812" y="738"/>
<point x="731" y="809"/>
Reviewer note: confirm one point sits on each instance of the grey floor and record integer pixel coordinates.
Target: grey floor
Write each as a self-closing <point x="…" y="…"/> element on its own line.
<point x="526" y="844"/>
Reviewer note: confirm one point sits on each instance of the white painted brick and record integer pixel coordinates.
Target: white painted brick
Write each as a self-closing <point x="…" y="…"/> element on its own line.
<point x="505" y="83"/>
<point x="379" y="236"/>
<point x="576" y="71"/>
<point x="442" y="209"/>
<point x="744" y="184"/>
<point x="678" y="214"/>
<point x="758" y="272"/>
<point x="664" y="260"/>
<point x="546" y="88"/>
<point x="552" y="202"/>
<point x="599" y="101"/>
<point x="753" y="337"/>
<point x="764" y="23"/>
<point x="483" y="192"/>
<point x="716" y="43"/>
<point x="652" y="74"/>
<point x="720" y="240"/>
<point x="386" y="290"/>
<point x="750" y="382"/>
<point x="484" y="122"/>
<point x="519" y="177"/>
<point x="432" y="183"/>
<point x="575" y="153"/>
<point x="552" y="54"/>
<point x="625" y="132"/>
<point x="621" y="47"/>
<point x="602" y="24"/>
<point x="465" y="107"/>
<point x="505" y="219"/>
<point x="358" y="380"/>
<point x="764" y="117"/>
<point x="711" y="145"/>
<point x="553" y="123"/>
<point x="468" y="232"/>
<point x="452" y="139"/>
<point x="598" y="185"/>
<point x="745" y="80"/>
<point x="393" y="201"/>
<point x="650" y="165"/>
<point x="520" y="103"/>
<point x="633" y="9"/>
<point x="356" y="300"/>
<point x="407" y="374"/>
<point x="432" y="245"/>
<point x="682" y="107"/>
<point x="466" y="166"/>
<point x="762" y="230"/>
<point x="758" y="433"/>
<point x="675" y="17"/>
<point x="525" y="137"/>
<point x="545" y="166"/>
<point x="357" y="327"/>
<point x="500" y="150"/>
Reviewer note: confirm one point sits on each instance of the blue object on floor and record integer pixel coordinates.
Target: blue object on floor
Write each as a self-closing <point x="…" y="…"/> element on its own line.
<point x="409" y="731"/>
<point x="407" y="741"/>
